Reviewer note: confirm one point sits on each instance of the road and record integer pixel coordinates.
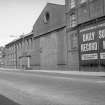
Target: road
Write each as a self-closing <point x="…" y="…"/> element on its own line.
<point x="5" y="101"/>
<point x="38" y="88"/>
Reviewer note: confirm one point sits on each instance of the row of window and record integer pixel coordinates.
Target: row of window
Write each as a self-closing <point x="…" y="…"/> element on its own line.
<point x="28" y="43"/>
<point x="11" y="50"/>
<point x="84" y="13"/>
<point x="73" y="17"/>
<point x="12" y="62"/>
<point x="9" y="56"/>
<point x="74" y="3"/>
<point x="71" y="20"/>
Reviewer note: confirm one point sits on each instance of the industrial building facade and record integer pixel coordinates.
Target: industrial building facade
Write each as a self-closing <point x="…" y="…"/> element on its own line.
<point x="87" y="19"/>
<point x="67" y="37"/>
<point x="45" y="47"/>
<point x="18" y="52"/>
<point x="2" y="56"/>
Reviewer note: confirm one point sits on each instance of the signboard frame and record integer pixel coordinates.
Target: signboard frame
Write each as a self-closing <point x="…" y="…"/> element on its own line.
<point x="88" y="38"/>
<point x="98" y="37"/>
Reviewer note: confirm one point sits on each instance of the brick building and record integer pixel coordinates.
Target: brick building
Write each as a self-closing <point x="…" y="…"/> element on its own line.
<point x="85" y="20"/>
<point x="70" y="36"/>
<point x="45" y="47"/>
<point x="50" y="37"/>
<point x="2" y="56"/>
<point x="18" y="52"/>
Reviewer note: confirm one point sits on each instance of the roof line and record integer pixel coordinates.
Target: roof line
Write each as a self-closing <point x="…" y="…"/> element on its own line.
<point x="55" y="4"/>
<point x="50" y="31"/>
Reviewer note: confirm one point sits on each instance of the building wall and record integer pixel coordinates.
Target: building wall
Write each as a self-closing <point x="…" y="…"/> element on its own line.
<point x="25" y="52"/>
<point x="83" y="13"/>
<point x="72" y="34"/>
<point x="50" y="28"/>
<point x="62" y="47"/>
<point x="92" y="46"/>
<point x="55" y="20"/>
<point x="51" y="47"/>
<point x="96" y="8"/>
<point x="17" y="52"/>
<point x="85" y="17"/>
<point x="2" y="56"/>
<point x="51" y="51"/>
<point x="48" y="47"/>
<point x="35" y="54"/>
<point x="73" y="55"/>
<point x="85" y="10"/>
<point x="48" y="51"/>
<point x="10" y="56"/>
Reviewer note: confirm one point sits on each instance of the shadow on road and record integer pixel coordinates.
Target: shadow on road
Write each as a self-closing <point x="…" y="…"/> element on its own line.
<point x="5" y="101"/>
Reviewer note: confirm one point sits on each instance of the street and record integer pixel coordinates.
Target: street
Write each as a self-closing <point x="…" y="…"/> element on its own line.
<point x="38" y="88"/>
<point x="5" y="101"/>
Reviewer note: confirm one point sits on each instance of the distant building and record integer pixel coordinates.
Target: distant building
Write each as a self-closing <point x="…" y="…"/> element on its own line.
<point x="18" y="52"/>
<point x="85" y="21"/>
<point x="2" y="55"/>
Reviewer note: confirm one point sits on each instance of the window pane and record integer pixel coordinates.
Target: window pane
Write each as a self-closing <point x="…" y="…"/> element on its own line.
<point x="73" y="20"/>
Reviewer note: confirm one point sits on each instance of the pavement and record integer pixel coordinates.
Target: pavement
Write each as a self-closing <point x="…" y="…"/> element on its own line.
<point x="88" y="73"/>
<point x="72" y="72"/>
<point x="44" y="87"/>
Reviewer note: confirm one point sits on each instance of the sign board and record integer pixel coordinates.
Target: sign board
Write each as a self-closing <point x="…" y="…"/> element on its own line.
<point x="101" y="34"/>
<point x="89" y="56"/>
<point x="92" y="43"/>
<point x="88" y="46"/>
<point x="102" y="55"/>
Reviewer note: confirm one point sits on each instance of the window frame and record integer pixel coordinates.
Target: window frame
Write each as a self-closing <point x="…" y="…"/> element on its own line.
<point x="73" y="20"/>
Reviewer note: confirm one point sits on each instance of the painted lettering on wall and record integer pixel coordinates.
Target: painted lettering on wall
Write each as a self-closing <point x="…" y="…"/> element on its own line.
<point x="89" y="44"/>
<point x="92" y="42"/>
<point x="89" y="56"/>
<point x="101" y="34"/>
<point x="89" y="47"/>
<point x="88" y="36"/>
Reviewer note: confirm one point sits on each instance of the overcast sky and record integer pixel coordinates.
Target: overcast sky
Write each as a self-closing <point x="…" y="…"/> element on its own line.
<point x="18" y="16"/>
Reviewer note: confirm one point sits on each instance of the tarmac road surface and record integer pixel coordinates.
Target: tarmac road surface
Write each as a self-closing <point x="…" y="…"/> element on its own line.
<point x="38" y="88"/>
<point x="5" y="101"/>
